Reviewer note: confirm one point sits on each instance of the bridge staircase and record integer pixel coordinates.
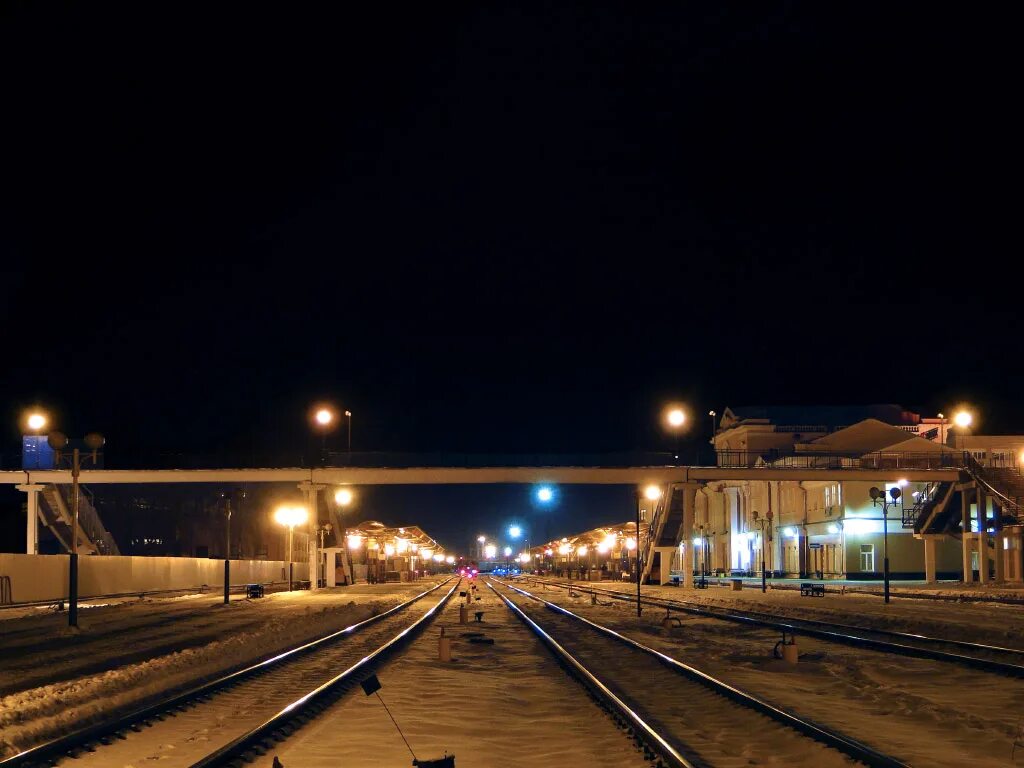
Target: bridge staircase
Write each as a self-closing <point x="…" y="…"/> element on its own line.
<point x="56" y="513"/>
<point x="665" y="526"/>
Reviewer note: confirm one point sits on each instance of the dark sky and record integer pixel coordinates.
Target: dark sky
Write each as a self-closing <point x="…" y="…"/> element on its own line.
<point x="486" y="227"/>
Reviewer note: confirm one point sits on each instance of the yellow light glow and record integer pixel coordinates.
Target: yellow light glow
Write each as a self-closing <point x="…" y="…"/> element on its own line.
<point x="548" y="552"/>
<point x="652" y="492"/>
<point x="414" y="547"/>
<point x="963" y="419"/>
<point x="324" y="417"/>
<point x="490" y="551"/>
<point x="438" y="558"/>
<point x="630" y="543"/>
<point x="291" y="516"/>
<point x="582" y="550"/>
<point x="401" y="545"/>
<point x="564" y="550"/>
<point x="374" y="544"/>
<point x="425" y="553"/>
<point x="389" y="549"/>
<point x="609" y="541"/>
<point x="602" y="548"/>
<point x="676" y="417"/>
<point x="450" y="559"/>
<point x="524" y="557"/>
<point x="481" y="539"/>
<point x="343" y="497"/>
<point x="36" y="421"/>
<point x="355" y="542"/>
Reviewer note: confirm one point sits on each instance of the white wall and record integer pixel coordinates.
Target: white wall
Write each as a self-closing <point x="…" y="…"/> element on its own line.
<point x="45" y="577"/>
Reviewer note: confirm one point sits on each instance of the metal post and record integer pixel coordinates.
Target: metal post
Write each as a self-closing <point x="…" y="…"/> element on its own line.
<point x="227" y="554"/>
<point x="764" y="574"/>
<point x="73" y="565"/>
<point x="291" y="528"/>
<point x="885" y="548"/>
<point x="636" y="499"/>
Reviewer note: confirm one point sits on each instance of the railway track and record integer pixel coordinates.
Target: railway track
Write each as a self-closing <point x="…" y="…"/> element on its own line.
<point x="249" y="706"/>
<point x="999" y="660"/>
<point x="691" y="719"/>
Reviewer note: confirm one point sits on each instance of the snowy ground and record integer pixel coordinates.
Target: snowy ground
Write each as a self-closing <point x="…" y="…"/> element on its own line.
<point x="127" y="653"/>
<point x="502" y="704"/>
<point x="924" y="712"/>
<point x="994" y="623"/>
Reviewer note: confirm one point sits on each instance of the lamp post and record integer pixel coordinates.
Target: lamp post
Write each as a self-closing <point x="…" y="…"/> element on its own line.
<point x="763" y="522"/>
<point x="291" y="517"/>
<point x="675" y="418"/>
<point x="344" y="497"/>
<point x="876" y="494"/>
<point x="322" y="530"/>
<point x="323" y="418"/>
<point x="59" y="441"/>
<point x="348" y="434"/>
<point x="227" y="551"/>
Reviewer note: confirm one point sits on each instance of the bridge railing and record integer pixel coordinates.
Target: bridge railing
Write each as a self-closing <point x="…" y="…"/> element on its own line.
<point x="780" y="459"/>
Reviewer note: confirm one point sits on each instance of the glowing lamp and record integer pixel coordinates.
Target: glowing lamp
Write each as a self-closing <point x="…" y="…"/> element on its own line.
<point x="652" y="492"/>
<point x="343" y="497"/>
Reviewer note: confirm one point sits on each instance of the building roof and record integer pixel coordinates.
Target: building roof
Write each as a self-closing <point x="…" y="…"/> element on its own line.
<point x="869" y="436"/>
<point x="829" y="416"/>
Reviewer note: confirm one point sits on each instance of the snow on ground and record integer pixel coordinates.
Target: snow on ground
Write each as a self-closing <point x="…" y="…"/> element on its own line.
<point x="927" y="713"/>
<point x="993" y="623"/>
<point x="502" y="704"/>
<point x="125" y="655"/>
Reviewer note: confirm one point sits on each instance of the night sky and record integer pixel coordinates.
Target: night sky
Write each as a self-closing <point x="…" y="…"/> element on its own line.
<point x="498" y="228"/>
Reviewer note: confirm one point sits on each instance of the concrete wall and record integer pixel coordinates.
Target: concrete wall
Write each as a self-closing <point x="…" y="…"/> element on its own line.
<point x="45" y="577"/>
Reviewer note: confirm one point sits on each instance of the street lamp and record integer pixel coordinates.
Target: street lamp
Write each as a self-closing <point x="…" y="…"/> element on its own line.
<point x="36" y="421"/>
<point x="348" y="432"/>
<point x="59" y="441"/>
<point x="675" y="419"/>
<point x="763" y="521"/>
<point x="323" y="420"/>
<point x="876" y="494"/>
<point x="515" y="531"/>
<point x="290" y="517"/>
<point x="651" y="493"/>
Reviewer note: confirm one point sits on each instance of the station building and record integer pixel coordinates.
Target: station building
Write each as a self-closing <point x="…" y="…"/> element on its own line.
<point x="607" y="552"/>
<point x="811" y="528"/>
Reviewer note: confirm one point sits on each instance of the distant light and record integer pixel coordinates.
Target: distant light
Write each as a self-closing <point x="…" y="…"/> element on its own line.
<point x="963" y="419"/>
<point x="548" y="552"/>
<point x="545" y="494"/>
<point x="515" y="531"/>
<point x="602" y="548"/>
<point x="696" y="541"/>
<point x="630" y="543"/>
<point x="389" y="549"/>
<point x="833" y="528"/>
<point x="450" y="559"/>
<point x="791" y="533"/>
<point x="354" y="542"/>
<point x="439" y="558"/>
<point x="508" y="551"/>
<point x="524" y="557"/>
<point x="676" y="417"/>
<point x="582" y="550"/>
<point x="425" y="553"/>
<point x="324" y="417"/>
<point x="36" y="421"/>
<point x="343" y="497"/>
<point x="610" y="541"/>
<point x="902" y="483"/>
<point x="481" y="539"/>
<point x="565" y="549"/>
<point x="490" y="551"/>
<point x="652" y="492"/>
<point x="401" y="545"/>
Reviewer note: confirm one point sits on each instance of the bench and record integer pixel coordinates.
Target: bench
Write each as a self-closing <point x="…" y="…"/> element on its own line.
<point x="808" y="589"/>
<point x="254" y="590"/>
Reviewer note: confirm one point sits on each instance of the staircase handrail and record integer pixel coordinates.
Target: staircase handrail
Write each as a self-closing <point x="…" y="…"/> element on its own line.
<point x="976" y="471"/>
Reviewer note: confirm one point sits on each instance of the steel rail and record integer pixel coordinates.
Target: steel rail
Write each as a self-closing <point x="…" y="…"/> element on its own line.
<point x="647" y="734"/>
<point x="848" y="746"/>
<point x="297" y="708"/>
<point x="46" y="753"/>
<point x="885" y="646"/>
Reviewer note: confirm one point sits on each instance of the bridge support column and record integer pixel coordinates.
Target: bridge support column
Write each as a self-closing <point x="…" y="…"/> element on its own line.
<point x="31" y="517"/>
<point x="312" y="492"/>
<point x="965" y="538"/>
<point x="929" y="559"/>
<point x="982" y="536"/>
<point x="1014" y="571"/>
<point x="999" y="557"/>
<point x="686" y="534"/>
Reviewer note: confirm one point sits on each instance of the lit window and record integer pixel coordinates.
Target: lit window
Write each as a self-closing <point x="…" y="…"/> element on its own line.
<point x="867" y="557"/>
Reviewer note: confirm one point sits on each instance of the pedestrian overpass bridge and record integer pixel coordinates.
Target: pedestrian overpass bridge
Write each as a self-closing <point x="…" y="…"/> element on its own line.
<point x="671" y="523"/>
